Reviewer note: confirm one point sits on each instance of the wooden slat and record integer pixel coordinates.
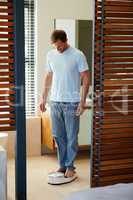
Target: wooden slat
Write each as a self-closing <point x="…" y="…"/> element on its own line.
<point x="118" y="76"/>
<point x="116" y="26"/>
<point x="7" y="128"/>
<point x="116" y="140"/>
<point x="115" y="82"/>
<point x="118" y="21"/>
<point x="8" y="36"/>
<point x="116" y="70"/>
<point x="113" y="38"/>
<point x="7" y="85"/>
<point x="116" y="48"/>
<point x="118" y="150"/>
<point x="8" y="109"/>
<point x="106" y="44"/>
<point x="116" y="136"/>
<point x="7" y="66"/>
<point x="7" y="116"/>
<point x="8" y="4"/>
<point x="109" y="26"/>
<point x="6" y="29"/>
<point x="9" y="17"/>
<point x="8" y="79"/>
<point x="7" y="73"/>
<point x="7" y="54"/>
<point x="10" y="48"/>
<point x="110" y="103"/>
<point x="116" y="162"/>
<point x="115" y="172"/>
<point x="10" y="42"/>
<point x="116" y="3"/>
<point x="112" y="167"/>
<point x="111" y="66"/>
<point x="7" y="92"/>
<point x="10" y="60"/>
<point x="5" y="103"/>
<point x="119" y="147"/>
<point x="3" y="122"/>
<point x="117" y="114"/>
<point x="115" y="59"/>
<point x="116" y="15"/>
<point x="116" y="32"/>
<point x="106" y="55"/>
<point x="114" y="87"/>
<point x="2" y="98"/>
<point x="118" y="125"/>
<point x="6" y="23"/>
<point x="6" y="10"/>
<point x="116" y="156"/>
<point x="119" y="9"/>
<point x="115" y="178"/>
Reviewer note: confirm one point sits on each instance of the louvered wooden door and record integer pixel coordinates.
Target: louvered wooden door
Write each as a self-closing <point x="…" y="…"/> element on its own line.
<point x="7" y="80"/>
<point x="112" y="160"/>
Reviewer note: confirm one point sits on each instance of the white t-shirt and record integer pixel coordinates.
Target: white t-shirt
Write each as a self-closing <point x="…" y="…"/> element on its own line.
<point x="66" y="68"/>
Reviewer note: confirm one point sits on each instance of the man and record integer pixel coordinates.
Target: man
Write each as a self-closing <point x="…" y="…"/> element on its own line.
<point x="65" y="67"/>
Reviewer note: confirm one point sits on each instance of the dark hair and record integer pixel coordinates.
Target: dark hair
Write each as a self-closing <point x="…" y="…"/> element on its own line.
<point x="58" y="35"/>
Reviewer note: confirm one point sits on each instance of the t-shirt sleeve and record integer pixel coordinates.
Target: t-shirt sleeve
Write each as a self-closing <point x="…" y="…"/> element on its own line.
<point x="48" y="66"/>
<point x="82" y="63"/>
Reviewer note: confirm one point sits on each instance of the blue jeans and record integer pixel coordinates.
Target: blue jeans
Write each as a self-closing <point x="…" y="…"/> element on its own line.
<point x="65" y="128"/>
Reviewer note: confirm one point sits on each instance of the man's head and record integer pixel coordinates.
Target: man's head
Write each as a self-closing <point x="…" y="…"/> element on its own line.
<point x="59" y="40"/>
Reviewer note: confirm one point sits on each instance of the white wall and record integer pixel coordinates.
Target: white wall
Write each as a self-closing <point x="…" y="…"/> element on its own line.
<point x="47" y="11"/>
<point x="69" y="26"/>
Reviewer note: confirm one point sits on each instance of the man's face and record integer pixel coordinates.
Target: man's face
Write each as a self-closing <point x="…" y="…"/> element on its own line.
<point x="60" y="46"/>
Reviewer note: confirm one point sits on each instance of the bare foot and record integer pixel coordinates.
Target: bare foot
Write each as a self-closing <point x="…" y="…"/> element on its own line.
<point x="63" y="170"/>
<point x="69" y="173"/>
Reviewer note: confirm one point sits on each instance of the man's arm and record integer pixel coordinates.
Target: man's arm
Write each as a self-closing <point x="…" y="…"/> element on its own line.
<point x="85" y="77"/>
<point x="46" y="88"/>
<point x="85" y="86"/>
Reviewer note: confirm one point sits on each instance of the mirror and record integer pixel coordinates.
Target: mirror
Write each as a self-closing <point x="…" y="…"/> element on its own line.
<point x="79" y="33"/>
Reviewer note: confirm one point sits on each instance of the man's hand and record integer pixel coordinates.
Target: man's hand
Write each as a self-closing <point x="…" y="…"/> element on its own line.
<point x="43" y="105"/>
<point x="85" y="88"/>
<point x="80" y="109"/>
<point x="47" y="85"/>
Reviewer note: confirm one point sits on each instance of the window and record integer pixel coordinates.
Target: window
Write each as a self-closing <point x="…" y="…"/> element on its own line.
<point x="30" y="57"/>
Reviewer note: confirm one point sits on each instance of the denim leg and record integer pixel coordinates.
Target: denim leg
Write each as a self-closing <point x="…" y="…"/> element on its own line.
<point x="72" y="129"/>
<point x="59" y="132"/>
